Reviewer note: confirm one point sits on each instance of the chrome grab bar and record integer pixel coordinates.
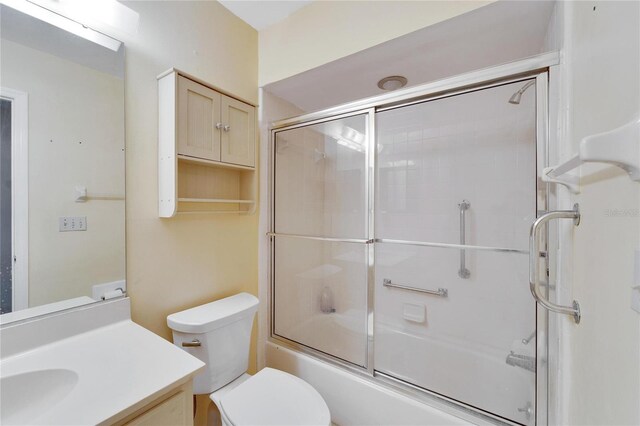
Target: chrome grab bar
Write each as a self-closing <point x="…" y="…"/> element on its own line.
<point x="463" y="272"/>
<point x="442" y="292"/>
<point x="534" y="254"/>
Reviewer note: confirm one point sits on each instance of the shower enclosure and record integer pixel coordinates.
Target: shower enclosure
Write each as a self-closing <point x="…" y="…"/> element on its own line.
<point x="399" y="241"/>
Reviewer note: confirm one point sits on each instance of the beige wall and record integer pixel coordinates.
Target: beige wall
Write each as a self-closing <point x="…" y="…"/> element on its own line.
<point x="178" y="263"/>
<point x="325" y="31"/>
<point x="75" y="138"/>
<point x="603" y="363"/>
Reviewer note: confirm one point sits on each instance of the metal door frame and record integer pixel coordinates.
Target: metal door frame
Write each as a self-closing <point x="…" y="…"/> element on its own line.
<point x="535" y="67"/>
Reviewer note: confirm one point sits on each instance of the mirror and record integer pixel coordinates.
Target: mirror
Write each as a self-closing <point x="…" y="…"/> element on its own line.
<point x="62" y="188"/>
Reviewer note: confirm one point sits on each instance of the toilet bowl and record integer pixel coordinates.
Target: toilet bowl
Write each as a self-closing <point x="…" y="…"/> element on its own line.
<point x="219" y="334"/>
<point x="271" y="397"/>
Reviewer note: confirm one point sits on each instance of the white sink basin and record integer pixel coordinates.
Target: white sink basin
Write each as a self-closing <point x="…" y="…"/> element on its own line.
<point x="26" y="396"/>
<point x="88" y="366"/>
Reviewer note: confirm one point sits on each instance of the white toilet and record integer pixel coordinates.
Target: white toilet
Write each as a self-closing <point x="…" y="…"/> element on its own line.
<point x="219" y="334"/>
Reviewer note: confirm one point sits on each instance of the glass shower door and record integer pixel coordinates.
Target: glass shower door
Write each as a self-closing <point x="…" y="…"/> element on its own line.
<point x="320" y="243"/>
<point x="455" y="196"/>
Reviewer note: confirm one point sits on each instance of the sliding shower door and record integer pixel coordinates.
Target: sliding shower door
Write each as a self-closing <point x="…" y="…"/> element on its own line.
<point x="455" y="196"/>
<point x="320" y="243"/>
<point x="399" y="244"/>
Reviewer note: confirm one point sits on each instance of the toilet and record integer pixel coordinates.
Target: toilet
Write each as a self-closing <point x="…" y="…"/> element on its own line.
<point x="219" y="334"/>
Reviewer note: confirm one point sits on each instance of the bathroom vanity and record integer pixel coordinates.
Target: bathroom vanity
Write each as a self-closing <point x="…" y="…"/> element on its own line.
<point x="93" y="365"/>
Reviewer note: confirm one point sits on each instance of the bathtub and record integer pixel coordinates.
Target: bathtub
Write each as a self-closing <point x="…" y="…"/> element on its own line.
<point x="355" y="399"/>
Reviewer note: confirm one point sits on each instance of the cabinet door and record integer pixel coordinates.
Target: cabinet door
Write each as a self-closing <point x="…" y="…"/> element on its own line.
<point x="238" y="144"/>
<point x="198" y="120"/>
<point x="175" y="411"/>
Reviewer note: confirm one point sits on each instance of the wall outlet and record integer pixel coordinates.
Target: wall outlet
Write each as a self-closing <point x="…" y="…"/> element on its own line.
<point x="72" y="223"/>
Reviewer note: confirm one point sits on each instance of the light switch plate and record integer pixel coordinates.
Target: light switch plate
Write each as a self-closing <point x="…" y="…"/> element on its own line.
<point x="72" y="223"/>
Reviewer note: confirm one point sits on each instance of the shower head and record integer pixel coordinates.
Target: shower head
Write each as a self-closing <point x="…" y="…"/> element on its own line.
<point x="515" y="99"/>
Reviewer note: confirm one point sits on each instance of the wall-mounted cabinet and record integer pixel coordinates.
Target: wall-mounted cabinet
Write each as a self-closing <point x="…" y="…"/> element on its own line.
<point x="206" y="148"/>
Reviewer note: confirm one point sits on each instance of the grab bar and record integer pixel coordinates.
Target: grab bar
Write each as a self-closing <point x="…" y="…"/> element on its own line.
<point x="534" y="254"/>
<point x="442" y="292"/>
<point x="463" y="272"/>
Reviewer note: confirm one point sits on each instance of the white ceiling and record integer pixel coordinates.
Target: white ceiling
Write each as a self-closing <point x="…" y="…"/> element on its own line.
<point x="501" y="32"/>
<point x="262" y="14"/>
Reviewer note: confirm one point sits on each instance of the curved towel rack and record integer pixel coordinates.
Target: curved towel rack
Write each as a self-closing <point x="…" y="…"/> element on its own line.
<point x="620" y="147"/>
<point x="534" y="255"/>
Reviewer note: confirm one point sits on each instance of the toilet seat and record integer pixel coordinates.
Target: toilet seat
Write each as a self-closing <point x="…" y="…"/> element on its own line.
<point x="273" y="397"/>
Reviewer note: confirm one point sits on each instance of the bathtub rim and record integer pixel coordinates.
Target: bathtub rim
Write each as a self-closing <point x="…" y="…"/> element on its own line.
<point x="432" y="399"/>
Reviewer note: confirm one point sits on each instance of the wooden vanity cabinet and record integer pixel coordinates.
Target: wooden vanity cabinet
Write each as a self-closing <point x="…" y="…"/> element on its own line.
<point x="174" y="408"/>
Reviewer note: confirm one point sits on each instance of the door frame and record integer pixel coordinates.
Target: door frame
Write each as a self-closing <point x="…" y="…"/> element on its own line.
<point x="19" y="195"/>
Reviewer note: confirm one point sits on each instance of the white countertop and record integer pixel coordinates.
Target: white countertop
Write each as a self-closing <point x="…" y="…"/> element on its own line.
<point x="118" y="365"/>
<point x="44" y="309"/>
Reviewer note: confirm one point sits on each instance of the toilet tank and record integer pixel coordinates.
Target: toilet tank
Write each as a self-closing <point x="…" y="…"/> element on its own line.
<point x="219" y="334"/>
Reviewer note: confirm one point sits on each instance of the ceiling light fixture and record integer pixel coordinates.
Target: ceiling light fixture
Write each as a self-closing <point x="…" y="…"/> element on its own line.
<point x="393" y="82"/>
<point x="60" y="21"/>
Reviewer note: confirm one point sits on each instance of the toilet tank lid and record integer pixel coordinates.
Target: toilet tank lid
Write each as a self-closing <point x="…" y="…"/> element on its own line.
<point x="213" y="315"/>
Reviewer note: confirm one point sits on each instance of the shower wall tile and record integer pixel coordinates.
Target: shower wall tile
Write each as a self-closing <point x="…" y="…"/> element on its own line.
<point x="477" y="147"/>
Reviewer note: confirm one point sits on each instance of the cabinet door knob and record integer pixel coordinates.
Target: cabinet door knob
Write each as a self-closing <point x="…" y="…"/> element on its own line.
<point x="227" y="128"/>
<point x="218" y="126"/>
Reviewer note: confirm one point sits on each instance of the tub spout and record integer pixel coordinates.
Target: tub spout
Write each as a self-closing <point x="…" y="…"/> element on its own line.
<point x="523" y="361"/>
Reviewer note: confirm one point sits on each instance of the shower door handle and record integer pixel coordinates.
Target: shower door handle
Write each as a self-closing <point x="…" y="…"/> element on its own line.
<point x="463" y="272"/>
<point x="534" y="256"/>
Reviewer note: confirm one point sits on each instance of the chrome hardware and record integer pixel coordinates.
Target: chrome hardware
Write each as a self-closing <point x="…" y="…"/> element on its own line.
<point x="313" y="237"/>
<point x="528" y="339"/>
<point x="463" y="272"/>
<point x="451" y="246"/>
<point x="226" y="128"/>
<point x="442" y="292"/>
<point x="218" y="126"/>
<point x="192" y="344"/>
<point x="523" y="361"/>
<point x="534" y="252"/>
